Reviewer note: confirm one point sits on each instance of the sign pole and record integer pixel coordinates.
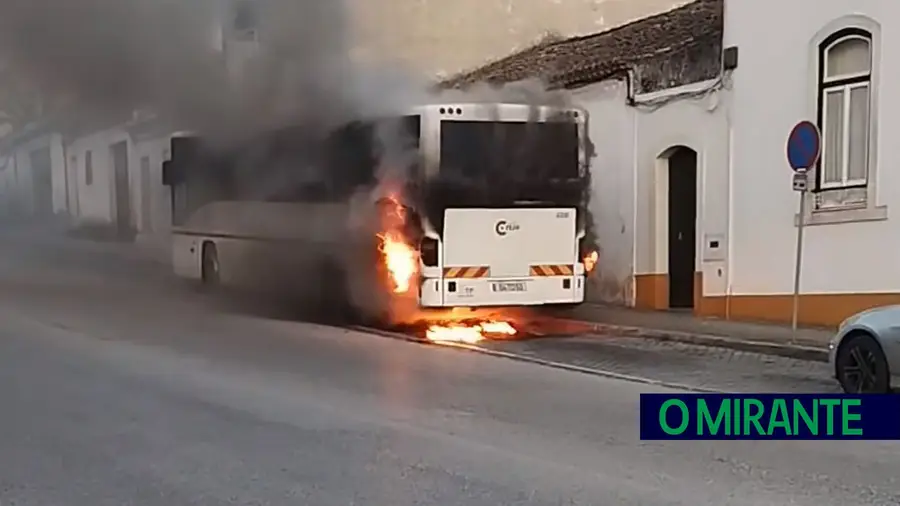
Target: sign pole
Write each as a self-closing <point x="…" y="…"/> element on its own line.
<point x="804" y="147"/>
<point x="798" y="261"/>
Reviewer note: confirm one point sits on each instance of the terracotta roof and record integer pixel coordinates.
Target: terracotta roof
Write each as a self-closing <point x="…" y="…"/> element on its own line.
<point x="579" y="61"/>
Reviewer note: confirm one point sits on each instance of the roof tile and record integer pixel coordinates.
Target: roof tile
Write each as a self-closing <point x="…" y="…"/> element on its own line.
<point x="582" y="60"/>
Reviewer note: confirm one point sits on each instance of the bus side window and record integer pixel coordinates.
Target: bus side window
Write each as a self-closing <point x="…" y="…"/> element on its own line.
<point x="350" y="159"/>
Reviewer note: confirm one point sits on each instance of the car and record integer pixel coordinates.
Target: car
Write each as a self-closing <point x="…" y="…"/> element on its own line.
<point x="865" y="351"/>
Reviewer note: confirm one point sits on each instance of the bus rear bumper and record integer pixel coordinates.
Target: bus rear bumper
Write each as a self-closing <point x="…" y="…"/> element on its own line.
<point x="485" y="292"/>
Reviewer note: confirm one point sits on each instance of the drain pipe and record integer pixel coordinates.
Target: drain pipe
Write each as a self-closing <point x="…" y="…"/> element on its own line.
<point x="65" y="156"/>
<point x="729" y="262"/>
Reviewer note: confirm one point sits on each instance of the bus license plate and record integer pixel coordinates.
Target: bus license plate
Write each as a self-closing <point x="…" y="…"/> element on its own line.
<point x="509" y="286"/>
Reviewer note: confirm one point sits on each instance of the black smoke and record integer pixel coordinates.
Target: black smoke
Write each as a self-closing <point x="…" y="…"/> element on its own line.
<point x="104" y="58"/>
<point x="107" y="57"/>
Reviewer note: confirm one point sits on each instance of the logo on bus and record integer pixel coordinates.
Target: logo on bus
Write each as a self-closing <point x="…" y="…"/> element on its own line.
<point x="504" y="227"/>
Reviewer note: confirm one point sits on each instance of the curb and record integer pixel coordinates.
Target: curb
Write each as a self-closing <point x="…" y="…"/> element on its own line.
<point x="129" y="250"/>
<point x="795" y="351"/>
<point x="534" y="360"/>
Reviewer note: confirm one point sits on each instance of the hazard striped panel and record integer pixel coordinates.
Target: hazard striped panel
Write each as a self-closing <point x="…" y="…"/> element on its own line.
<point x="467" y="272"/>
<point x="552" y="270"/>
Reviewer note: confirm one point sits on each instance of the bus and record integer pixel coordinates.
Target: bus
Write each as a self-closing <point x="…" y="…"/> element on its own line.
<point x="451" y="205"/>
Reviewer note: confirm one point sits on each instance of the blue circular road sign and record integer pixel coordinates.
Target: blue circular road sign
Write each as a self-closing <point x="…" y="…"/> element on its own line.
<point x="804" y="146"/>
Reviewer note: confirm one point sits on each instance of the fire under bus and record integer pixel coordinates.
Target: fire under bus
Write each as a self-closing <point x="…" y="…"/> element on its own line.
<point x="489" y="214"/>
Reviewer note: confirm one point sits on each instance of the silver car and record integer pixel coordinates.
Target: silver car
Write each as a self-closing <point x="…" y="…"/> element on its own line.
<point x="865" y="352"/>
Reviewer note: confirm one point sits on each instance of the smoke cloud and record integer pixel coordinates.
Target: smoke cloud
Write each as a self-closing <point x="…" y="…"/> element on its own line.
<point x="111" y="56"/>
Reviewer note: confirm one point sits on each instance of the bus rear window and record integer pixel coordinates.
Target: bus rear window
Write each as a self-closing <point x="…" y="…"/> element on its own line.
<point x="522" y="151"/>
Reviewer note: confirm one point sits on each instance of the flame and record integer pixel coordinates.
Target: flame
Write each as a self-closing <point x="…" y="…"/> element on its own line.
<point x="590" y="261"/>
<point x="400" y="258"/>
<point x="468" y="333"/>
<point x="401" y="261"/>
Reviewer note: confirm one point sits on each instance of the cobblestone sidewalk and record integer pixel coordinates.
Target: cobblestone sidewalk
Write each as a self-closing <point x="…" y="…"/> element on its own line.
<point x="805" y="344"/>
<point x="696" y="366"/>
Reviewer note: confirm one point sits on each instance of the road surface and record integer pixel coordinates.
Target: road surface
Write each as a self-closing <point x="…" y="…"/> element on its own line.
<point x="119" y="387"/>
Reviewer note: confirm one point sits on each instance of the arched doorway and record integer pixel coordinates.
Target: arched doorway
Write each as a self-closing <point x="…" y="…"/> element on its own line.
<point x="682" y="226"/>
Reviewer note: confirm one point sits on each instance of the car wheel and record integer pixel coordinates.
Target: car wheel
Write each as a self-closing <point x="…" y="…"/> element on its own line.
<point x="209" y="266"/>
<point x="862" y="367"/>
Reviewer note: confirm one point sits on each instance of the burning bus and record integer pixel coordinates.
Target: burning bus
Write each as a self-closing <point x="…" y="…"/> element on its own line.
<point x="405" y="219"/>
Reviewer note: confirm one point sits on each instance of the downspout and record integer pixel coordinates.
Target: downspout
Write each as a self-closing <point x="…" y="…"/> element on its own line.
<point x="16" y="194"/>
<point x="729" y="256"/>
<point x="65" y="155"/>
<point x="77" y="180"/>
<point x="635" y="165"/>
<point x="15" y="160"/>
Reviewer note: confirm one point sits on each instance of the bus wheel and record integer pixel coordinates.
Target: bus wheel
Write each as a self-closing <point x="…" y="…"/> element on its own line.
<point x="209" y="266"/>
<point x="862" y="367"/>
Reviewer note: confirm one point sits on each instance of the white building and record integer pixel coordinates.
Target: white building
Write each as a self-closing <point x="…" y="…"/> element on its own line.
<point x="825" y="61"/>
<point x="32" y="173"/>
<point x="115" y="180"/>
<point x="103" y="180"/>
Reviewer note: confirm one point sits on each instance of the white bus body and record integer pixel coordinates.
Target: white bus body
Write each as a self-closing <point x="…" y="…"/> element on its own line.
<point x="514" y="256"/>
<point x="524" y="254"/>
<point x="506" y="257"/>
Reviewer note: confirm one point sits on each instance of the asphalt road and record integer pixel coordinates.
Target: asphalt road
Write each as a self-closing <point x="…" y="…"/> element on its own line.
<point x="121" y="387"/>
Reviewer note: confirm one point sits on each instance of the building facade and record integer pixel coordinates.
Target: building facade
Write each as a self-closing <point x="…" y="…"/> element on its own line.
<point x="115" y="180"/>
<point x="32" y="176"/>
<point x="824" y="61"/>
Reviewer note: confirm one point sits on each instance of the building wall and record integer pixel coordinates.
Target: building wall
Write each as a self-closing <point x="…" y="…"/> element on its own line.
<point x="7" y="185"/>
<point x="153" y="217"/>
<point x="849" y="260"/>
<point x="19" y="181"/>
<point x="94" y="203"/>
<point x="23" y="192"/>
<point x="611" y="130"/>
<point x="11" y="195"/>
<point x="95" y="195"/>
<point x="442" y="38"/>
<point x="629" y="177"/>
<point x="58" y="171"/>
<point x="699" y="123"/>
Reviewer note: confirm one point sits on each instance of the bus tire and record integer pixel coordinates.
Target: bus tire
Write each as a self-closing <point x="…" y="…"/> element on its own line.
<point x="210" y="268"/>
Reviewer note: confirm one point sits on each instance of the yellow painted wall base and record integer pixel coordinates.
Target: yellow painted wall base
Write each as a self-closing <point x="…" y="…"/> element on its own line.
<point x="825" y="310"/>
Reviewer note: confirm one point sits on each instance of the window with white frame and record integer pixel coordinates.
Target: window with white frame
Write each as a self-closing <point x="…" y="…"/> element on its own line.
<point x="845" y="81"/>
